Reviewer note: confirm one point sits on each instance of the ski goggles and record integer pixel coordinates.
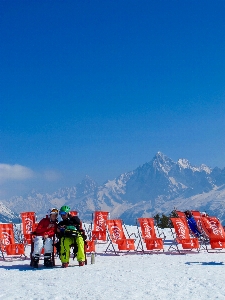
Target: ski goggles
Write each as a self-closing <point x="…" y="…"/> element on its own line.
<point x="62" y="213"/>
<point x="54" y="211"/>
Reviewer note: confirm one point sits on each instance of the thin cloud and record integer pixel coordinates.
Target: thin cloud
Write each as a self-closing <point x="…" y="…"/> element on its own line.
<point x="51" y="175"/>
<point x="14" y="172"/>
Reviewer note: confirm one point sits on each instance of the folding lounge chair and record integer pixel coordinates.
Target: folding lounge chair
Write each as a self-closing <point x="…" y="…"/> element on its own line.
<point x="147" y="236"/>
<point x="89" y="246"/>
<point x="194" y="232"/>
<point x="180" y="214"/>
<point x="28" y="220"/>
<point x="213" y="229"/>
<point x="8" y="247"/>
<point x="117" y="237"/>
<point x="99" y="226"/>
<point x="74" y="213"/>
<point x="182" y="236"/>
<point x="99" y="231"/>
<point x="197" y="216"/>
<point x="196" y="213"/>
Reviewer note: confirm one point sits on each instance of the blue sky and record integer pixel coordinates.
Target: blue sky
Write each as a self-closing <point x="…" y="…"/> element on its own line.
<point x="98" y="87"/>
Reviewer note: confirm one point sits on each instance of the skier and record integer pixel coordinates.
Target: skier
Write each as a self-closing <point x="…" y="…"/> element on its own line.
<point x="192" y="224"/>
<point x="45" y="232"/>
<point x="70" y="234"/>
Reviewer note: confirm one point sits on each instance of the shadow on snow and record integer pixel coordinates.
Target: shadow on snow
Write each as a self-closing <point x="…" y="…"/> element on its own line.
<point x="205" y="263"/>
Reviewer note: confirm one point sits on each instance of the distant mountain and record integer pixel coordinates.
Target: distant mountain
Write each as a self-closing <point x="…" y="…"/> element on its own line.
<point x="6" y="215"/>
<point x="155" y="187"/>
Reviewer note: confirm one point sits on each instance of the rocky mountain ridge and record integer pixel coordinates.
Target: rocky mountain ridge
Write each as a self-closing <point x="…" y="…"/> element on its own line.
<point x="155" y="187"/>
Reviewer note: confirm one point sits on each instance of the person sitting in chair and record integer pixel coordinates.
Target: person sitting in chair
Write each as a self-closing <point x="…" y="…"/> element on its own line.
<point x="70" y="234"/>
<point x="192" y="223"/>
<point x="44" y="234"/>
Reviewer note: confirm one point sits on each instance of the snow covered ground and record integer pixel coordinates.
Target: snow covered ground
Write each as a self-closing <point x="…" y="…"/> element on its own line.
<point x="128" y="276"/>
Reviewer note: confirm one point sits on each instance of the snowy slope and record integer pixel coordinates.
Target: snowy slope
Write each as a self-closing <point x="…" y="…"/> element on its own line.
<point x="130" y="276"/>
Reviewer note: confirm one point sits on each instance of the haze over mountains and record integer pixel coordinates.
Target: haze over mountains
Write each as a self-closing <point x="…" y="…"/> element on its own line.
<point x="155" y="187"/>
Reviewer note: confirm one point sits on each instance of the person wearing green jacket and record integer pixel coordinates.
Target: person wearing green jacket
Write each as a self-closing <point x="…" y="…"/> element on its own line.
<point x="70" y="234"/>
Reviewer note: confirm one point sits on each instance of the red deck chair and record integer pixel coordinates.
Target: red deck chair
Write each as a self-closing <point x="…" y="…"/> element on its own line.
<point x="148" y="235"/>
<point x="28" y="219"/>
<point x="74" y="213"/>
<point x="196" y="214"/>
<point x="212" y="227"/>
<point x="117" y="236"/>
<point x="198" y="218"/>
<point x="89" y="246"/>
<point x="99" y="225"/>
<point x="212" y="230"/>
<point x="182" y="215"/>
<point x="182" y="236"/>
<point x="7" y="242"/>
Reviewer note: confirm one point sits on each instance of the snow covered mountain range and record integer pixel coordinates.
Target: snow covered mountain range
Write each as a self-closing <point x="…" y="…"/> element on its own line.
<point x="155" y="187"/>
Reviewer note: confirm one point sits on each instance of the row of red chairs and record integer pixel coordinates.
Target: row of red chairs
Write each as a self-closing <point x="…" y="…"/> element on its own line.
<point x="117" y="237"/>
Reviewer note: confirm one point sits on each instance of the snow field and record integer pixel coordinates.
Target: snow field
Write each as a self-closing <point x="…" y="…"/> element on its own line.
<point x="127" y="276"/>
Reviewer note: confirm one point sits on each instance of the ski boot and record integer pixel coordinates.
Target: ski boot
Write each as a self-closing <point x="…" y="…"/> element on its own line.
<point x="81" y="263"/>
<point x="65" y="265"/>
<point x="48" y="261"/>
<point x="35" y="262"/>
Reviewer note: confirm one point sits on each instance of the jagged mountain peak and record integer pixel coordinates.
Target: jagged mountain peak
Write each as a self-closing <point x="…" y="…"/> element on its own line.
<point x="185" y="164"/>
<point x="162" y="162"/>
<point x="86" y="186"/>
<point x="88" y="179"/>
<point x="205" y="168"/>
<point x="160" y="154"/>
<point x="87" y="182"/>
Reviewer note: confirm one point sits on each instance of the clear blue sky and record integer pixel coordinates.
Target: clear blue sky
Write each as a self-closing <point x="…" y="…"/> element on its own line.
<point x="98" y="87"/>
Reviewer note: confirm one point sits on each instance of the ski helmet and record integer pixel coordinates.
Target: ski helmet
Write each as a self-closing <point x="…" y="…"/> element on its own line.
<point x="64" y="210"/>
<point x="53" y="211"/>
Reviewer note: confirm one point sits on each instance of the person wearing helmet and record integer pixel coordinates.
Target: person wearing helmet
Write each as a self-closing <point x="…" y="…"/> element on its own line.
<point x="70" y="234"/>
<point x="44" y="234"/>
